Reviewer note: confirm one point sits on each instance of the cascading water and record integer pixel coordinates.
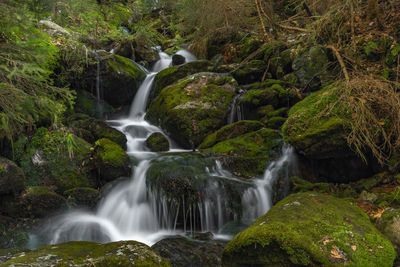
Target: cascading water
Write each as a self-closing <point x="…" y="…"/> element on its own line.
<point x="132" y="211"/>
<point x="257" y="201"/>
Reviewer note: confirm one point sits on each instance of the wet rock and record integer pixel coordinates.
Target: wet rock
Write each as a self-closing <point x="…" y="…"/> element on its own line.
<point x="39" y="201"/>
<point x="178" y="60"/>
<point x="53" y="29"/>
<point x="82" y="196"/>
<point x="389" y="225"/>
<point x="250" y="72"/>
<point x="157" y="142"/>
<point x="89" y="105"/>
<point x="12" y="178"/>
<point x="118" y="76"/>
<point x="171" y="75"/>
<point x="248" y="154"/>
<point x="111" y="160"/>
<point x="123" y="253"/>
<point x="92" y="129"/>
<point x="323" y="141"/>
<point x="310" y="229"/>
<point x="182" y="251"/>
<point x="193" y="107"/>
<point x="230" y="131"/>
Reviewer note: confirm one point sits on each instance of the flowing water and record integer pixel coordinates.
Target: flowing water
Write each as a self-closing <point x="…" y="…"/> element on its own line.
<point x="132" y="211"/>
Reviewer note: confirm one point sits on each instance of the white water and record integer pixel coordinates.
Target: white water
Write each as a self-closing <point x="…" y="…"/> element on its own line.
<point x="131" y="211"/>
<point x="257" y="201"/>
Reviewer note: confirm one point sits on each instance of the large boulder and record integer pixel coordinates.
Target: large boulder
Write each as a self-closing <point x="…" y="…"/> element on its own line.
<point x="186" y="181"/>
<point x="250" y="72"/>
<point x="111" y="160"/>
<point x="248" y="154"/>
<point x="12" y="178"/>
<point x="193" y="107"/>
<point x="53" y="29"/>
<point x="118" y="77"/>
<point x="310" y="229"/>
<point x="55" y="158"/>
<point x="123" y="253"/>
<point x="40" y="201"/>
<point x="172" y="74"/>
<point x="182" y="251"/>
<point x="321" y="137"/>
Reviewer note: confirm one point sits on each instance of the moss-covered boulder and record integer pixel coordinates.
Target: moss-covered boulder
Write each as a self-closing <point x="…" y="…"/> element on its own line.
<point x="310" y="229"/>
<point x="172" y="74"/>
<point x="82" y="196"/>
<point x="55" y="158"/>
<point x="40" y="201"/>
<point x="118" y="77"/>
<point x="389" y="225"/>
<point x="182" y="251"/>
<point x="231" y="131"/>
<point x="317" y="136"/>
<point x="193" y="107"/>
<point x="86" y="103"/>
<point x="312" y="68"/>
<point x="157" y="142"/>
<point x="111" y="160"/>
<point x="185" y="180"/>
<point x="123" y="253"/>
<point x="250" y="72"/>
<point x="248" y="154"/>
<point x="12" y="178"/>
<point x="92" y="129"/>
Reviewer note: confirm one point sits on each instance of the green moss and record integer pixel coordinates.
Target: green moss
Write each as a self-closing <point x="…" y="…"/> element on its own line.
<point x="54" y="158"/>
<point x="124" y="253"/>
<point x="250" y="72"/>
<point x="231" y="131"/>
<point x="111" y="160"/>
<point x="12" y="178"/>
<point x="309" y="229"/>
<point x="120" y="64"/>
<point x="82" y="196"/>
<point x="275" y="95"/>
<point x="40" y="201"/>
<point x="87" y="104"/>
<point x="301" y="185"/>
<point x="275" y="122"/>
<point x="315" y="135"/>
<point x="171" y="75"/>
<point x="193" y="107"/>
<point x="157" y="142"/>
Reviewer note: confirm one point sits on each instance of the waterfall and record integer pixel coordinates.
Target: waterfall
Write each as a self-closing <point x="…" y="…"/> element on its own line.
<point x="133" y="211"/>
<point x="236" y="113"/>
<point x="257" y="201"/>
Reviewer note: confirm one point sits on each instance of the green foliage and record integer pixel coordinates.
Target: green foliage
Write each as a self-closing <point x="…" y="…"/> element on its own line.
<point x="27" y="57"/>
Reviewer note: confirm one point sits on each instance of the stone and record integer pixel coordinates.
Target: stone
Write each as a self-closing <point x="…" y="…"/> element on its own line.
<point x="157" y="142"/>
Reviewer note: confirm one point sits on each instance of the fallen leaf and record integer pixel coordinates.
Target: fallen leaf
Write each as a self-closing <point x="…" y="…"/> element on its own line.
<point x="354" y="247"/>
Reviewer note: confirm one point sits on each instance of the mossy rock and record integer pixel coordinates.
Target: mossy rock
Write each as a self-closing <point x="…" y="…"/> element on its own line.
<point x="193" y="107"/>
<point x="92" y="129"/>
<point x="88" y="104"/>
<point x="184" y="177"/>
<point x="312" y="68"/>
<point x="275" y="95"/>
<point x="318" y="136"/>
<point x="230" y="131"/>
<point x="12" y="178"/>
<point x="111" y="160"/>
<point x="40" y="201"/>
<point x="249" y="154"/>
<point x="310" y="229"/>
<point x="250" y="72"/>
<point x="182" y="251"/>
<point x="389" y="225"/>
<point x="118" y="77"/>
<point x="82" y="196"/>
<point x="171" y="75"/>
<point x="157" y="142"/>
<point x="55" y="158"/>
<point x="123" y="253"/>
<point x="275" y="122"/>
<point x="12" y="235"/>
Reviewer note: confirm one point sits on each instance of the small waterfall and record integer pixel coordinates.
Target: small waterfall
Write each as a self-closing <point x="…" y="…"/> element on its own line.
<point x="236" y="113"/>
<point x="99" y="102"/>
<point x="134" y="211"/>
<point x="257" y="201"/>
<point x="187" y="55"/>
